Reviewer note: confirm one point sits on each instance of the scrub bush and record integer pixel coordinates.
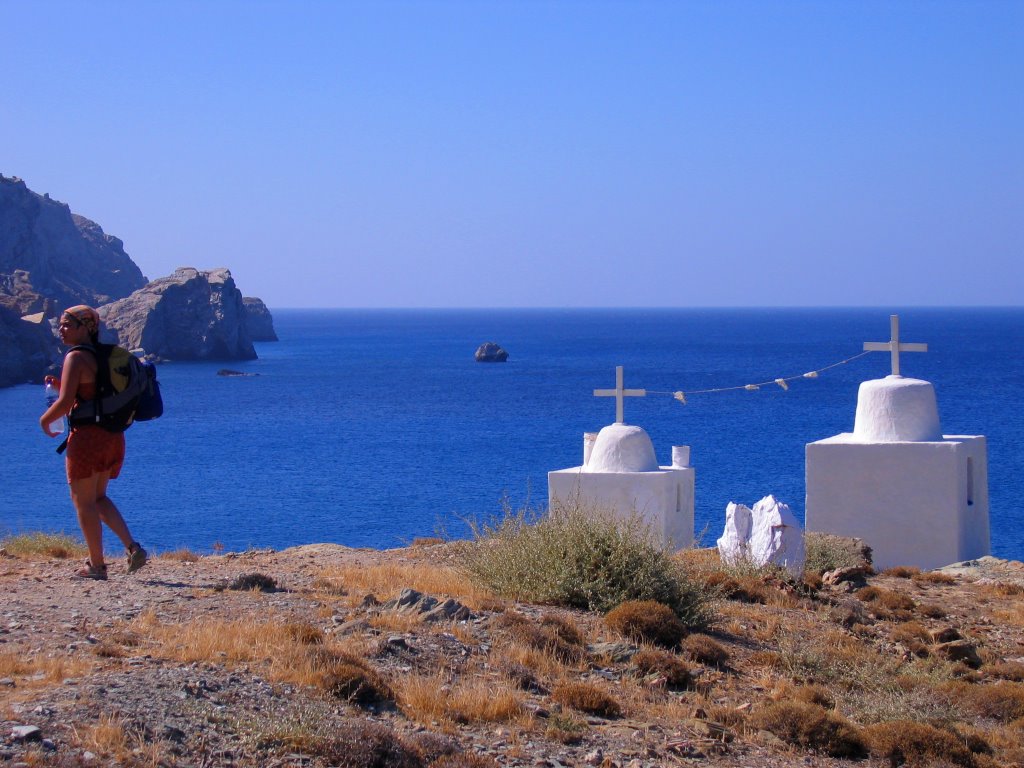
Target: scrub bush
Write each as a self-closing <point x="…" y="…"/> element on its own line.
<point x="582" y="558"/>
<point x="905" y="742"/>
<point x="586" y="697"/>
<point x="811" y="727"/>
<point x="647" y="621"/>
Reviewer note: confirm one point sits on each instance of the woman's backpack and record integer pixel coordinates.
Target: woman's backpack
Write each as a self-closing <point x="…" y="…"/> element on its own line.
<point x="126" y="391"/>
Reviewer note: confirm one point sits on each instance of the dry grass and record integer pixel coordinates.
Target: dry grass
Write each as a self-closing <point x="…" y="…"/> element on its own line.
<point x="1005" y="670"/>
<point x="439" y="698"/>
<point x="809" y="694"/>
<point x="353" y="744"/>
<point x="1012" y="614"/>
<point x="901" y="571"/>
<point x="540" y="662"/>
<point x="914" y="635"/>
<point x="905" y="742"/>
<point x="386" y="581"/>
<point x="810" y="726"/>
<point x="346" y="676"/>
<point x="292" y="652"/>
<point x="119" y="743"/>
<point x="1003" y="700"/>
<point x="548" y="638"/>
<point x="705" y="650"/>
<point x="565" y="728"/>
<point x="390" y="621"/>
<point x="933" y="577"/>
<point x="465" y="760"/>
<point x="932" y="611"/>
<point x="586" y="697"/>
<point x="181" y="555"/>
<point x="886" y="599"/>
<point x="30" y="669"/>
<point x="663" y="666"/>
<point x="44" y="546"/>
<point x="647" y="621"/>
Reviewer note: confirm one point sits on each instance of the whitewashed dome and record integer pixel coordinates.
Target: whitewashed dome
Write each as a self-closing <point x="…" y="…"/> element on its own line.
<point x="622" y="448"/>
<point x="895" y="409"/>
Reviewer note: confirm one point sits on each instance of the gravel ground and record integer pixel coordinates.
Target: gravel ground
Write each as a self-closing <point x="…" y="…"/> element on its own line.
<point x="217" y="712"/>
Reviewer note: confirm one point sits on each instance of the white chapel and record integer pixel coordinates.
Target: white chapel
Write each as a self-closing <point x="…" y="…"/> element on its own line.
<point x="915" y="496"/>
<point x="620" y="475"/>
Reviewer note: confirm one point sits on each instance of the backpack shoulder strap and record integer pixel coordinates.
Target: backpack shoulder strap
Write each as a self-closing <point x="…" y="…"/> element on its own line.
<point x="102" y="354"/>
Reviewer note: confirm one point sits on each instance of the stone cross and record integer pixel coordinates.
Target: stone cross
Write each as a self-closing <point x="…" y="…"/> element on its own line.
<point x="894" y="346"/>
<point x="619" y="393"/>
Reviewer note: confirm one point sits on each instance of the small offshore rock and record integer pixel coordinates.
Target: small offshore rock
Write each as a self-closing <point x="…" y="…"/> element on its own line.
<point x="490" y="352"/>
<point x="230" y="372"/>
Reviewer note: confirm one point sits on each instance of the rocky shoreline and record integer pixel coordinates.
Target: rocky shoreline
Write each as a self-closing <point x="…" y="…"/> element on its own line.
<point x="105" y="673"/>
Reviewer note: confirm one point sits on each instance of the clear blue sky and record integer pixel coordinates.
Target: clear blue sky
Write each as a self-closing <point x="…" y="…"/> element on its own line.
<point x="516" y="154"/>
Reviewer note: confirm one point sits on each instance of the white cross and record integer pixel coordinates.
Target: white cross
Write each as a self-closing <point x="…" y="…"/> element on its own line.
<point x="619" y="393"/>
<point x="894" y="346"/>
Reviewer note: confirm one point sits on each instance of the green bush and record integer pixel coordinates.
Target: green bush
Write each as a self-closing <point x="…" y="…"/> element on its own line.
<point x="582" y="558"/>
<point x="826" y="552"/>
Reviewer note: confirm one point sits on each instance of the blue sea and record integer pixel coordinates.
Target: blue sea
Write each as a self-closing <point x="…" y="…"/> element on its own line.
<point x="372" y="427"/>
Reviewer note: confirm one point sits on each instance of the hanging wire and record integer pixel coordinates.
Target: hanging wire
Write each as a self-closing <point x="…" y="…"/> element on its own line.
<point x="782" y="382"/>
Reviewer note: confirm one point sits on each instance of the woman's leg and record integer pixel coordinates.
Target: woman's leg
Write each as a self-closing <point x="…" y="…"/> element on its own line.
<point x="84" y="496"/>
<point x="109" y="513"/>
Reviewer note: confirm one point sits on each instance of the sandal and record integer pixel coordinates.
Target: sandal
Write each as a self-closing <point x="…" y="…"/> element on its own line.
<point x="136" y="557"/>
<point x="92" y="572"/>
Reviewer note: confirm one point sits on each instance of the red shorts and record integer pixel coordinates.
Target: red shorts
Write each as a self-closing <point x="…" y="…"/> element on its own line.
<point x="91" y="450"/>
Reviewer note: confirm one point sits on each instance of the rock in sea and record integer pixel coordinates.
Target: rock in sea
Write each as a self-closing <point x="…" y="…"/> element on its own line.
<point x="490" y="352"/>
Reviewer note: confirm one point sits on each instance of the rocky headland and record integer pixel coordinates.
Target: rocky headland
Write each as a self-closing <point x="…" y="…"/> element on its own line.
<point x="51" y="258"/>
<point x="189" y="315"/>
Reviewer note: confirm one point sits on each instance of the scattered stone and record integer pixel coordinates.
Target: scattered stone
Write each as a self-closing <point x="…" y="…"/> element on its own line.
<point x="619" y="653"/>
<point x="26" y="733"/>
<point x="854" y="575"/>
<point x="449" y="610"/>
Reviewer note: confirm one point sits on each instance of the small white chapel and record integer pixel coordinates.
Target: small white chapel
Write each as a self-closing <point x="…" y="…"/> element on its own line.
<point x="620" y="475"/>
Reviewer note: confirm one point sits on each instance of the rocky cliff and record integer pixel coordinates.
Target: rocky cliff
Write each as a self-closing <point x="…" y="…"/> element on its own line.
<point x="46" y="251"/>
<point x="51" y="258"/>
<point x="189" y="315"/>
<point x="259" y="320"/>
<point x="28" y="347"/>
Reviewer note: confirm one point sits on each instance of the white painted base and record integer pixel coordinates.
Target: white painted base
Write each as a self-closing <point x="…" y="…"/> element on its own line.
<point x="921" y="504"/>
<point x="664" y="497"/>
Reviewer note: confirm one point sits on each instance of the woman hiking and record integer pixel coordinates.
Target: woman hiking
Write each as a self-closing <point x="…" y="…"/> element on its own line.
<point x="94" y="455"/>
